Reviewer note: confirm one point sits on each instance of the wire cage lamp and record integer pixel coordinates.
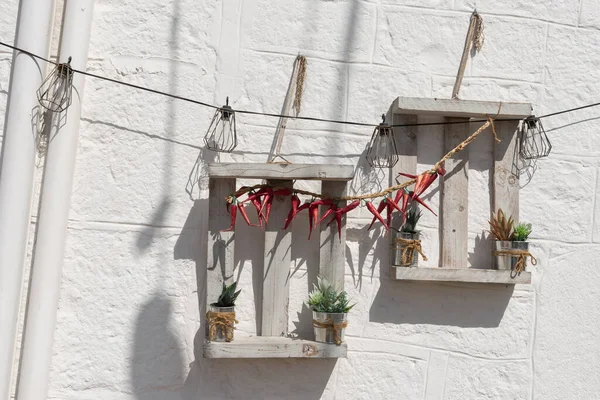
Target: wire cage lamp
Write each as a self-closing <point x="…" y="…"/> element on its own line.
<point x="55" y="93"/>
<point x="534" y="142"/>
<point x="221" y="135"/>
<point x="382" y="151"/>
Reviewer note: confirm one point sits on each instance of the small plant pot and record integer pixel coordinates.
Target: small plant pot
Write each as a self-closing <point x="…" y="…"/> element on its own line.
<point x="329" y="327"/>
<point x="398" y="249"/>
<point x="508" y="262"/>
<point x="221" y="323"/>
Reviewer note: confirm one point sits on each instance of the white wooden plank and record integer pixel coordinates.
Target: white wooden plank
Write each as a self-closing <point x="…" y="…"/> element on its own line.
<point x="506" y="184"/>
<point x="459" y="108"/>
<point x="474" y="275"/>
<point x="332" y="248"/>
<point x="454" y="199"/>
<point x="406" y="140"/>
<point x="322" y="172"/>
<point x="278" y="243"/>
<point x="273" y="347"/>
<point x="220" y="264"/>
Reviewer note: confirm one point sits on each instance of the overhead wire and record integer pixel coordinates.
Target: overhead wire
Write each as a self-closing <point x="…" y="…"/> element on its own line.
<point x="275" y="115"/>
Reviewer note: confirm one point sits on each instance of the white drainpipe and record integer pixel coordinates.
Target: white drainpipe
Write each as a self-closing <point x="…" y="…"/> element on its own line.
<point x="55" y="203"/>
<point x="17" y="170"/>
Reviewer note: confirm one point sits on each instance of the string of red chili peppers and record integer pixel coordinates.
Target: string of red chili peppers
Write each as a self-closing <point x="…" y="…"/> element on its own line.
<point x="261" y="197"/>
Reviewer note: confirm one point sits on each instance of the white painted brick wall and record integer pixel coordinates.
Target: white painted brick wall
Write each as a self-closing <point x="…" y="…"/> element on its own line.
<point x="128" y="317"/>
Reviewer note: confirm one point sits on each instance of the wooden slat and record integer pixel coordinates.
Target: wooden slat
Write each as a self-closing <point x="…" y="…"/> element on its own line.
<point x="454" y="199"/>
<point x="220" y="264"/>
<point x="474" y="275"/>
<point x="273" y="347"/>
<point x="322" y="172"/>
<point x="459" y="108"/>
<point x="406" y="140"/>
<point x="506" y="184"/>
<point x="278" y="243"/>
<point x="332" y="248"/>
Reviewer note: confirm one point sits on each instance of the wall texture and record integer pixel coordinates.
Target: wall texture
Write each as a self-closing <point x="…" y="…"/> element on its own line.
<point x="128" y="321"/>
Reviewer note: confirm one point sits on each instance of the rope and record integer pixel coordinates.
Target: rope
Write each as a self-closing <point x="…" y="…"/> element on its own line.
<point x="522" y="258"/>
<point x="223" y="320"/>
<point x="474" y="31"/>
<point x="330" y="325"/>
<point x="301" y="60"/>
<point x="409" y="246"/>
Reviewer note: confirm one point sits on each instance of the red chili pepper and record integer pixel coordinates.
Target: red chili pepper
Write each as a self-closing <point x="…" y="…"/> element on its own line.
<point x="411" y="176"/>
<point x="332" y="208"/>
<point x="267" y="200"/>
<point x="256" y="195"/>
<point x="313" y="213"/>
<point x="350" y="206"/>
<point x="233" y="212"/>
<point x="293" y="211"/>
<point x="337" y="217"/>
<point x="376" y="213"/>
<point x="420" y="201"/>
<point x="242" y="211"/>
<point x="391" y="205"/>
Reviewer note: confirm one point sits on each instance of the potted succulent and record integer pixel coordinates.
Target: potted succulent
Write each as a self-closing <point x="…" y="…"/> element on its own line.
<point x="221" y="317"/>
<point x="407" y="243"/>
<point x="511" y="247"/>
<point x="330" y="312"/>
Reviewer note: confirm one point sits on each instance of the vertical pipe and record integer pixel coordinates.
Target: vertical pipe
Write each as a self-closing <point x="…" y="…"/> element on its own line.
<point x="17" y="170"/>
<point x="55" y="203"/>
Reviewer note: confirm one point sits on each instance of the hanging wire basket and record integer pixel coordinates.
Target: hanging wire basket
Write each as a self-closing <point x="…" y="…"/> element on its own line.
<point x="382" y="151"/>
<point x="534" y="142"/>
<point x="221" y="135"/>
<point x="55" y="93"/>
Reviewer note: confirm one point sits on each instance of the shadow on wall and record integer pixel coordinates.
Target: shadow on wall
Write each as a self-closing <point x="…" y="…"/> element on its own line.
<point x="157" y="364"/>
<point x="218" y="379"/>
<point x="465" y="306"/>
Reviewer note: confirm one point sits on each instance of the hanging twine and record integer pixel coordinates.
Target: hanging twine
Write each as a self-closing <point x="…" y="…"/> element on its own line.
<point x="391" y="189"/>
<point x="223" y="320"/>
<point x="478" y="36"/>
<point x="409" y="246"/>
<point x="301" y="62"/>
<point x="330" y="325"/>
<point x="522" y="258"/>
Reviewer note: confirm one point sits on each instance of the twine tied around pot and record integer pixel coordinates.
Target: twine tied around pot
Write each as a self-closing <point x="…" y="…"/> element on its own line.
<point x="330" y="325"/>
<point x="408" y="251"/>
<point x="521" y="261"/>
<point x="225" y="320"/>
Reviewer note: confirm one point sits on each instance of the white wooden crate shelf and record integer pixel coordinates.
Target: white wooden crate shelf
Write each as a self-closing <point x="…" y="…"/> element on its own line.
<point x="272" y="341"/>
<point x="273" y="347"/>
<point x="454" y="186"/>
<point x="467" y="275"/>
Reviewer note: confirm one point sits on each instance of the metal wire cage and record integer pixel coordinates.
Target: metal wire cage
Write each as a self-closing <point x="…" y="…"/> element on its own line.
<point x="221" y="135"/>
<point x="382" y="151"/>
<point x="534" y="142"/>
<point x="55" y="93"/>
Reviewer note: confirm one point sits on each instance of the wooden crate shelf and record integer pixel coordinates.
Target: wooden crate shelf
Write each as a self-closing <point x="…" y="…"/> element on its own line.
<point x="273" y="340"/>
<point x="454" y="186"/>
<point x="273" y="347"/>
<point x="466" y="275"/>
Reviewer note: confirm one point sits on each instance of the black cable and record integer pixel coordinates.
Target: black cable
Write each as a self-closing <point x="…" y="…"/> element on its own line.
<point x="174" y="96"/>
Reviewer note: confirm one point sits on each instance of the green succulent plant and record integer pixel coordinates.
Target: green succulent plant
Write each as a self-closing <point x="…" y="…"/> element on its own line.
<point x="521" y="232"/>
<point x="325" y="298"/>
<point x="412" y="218"/>
<point x="228" y="296"/>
